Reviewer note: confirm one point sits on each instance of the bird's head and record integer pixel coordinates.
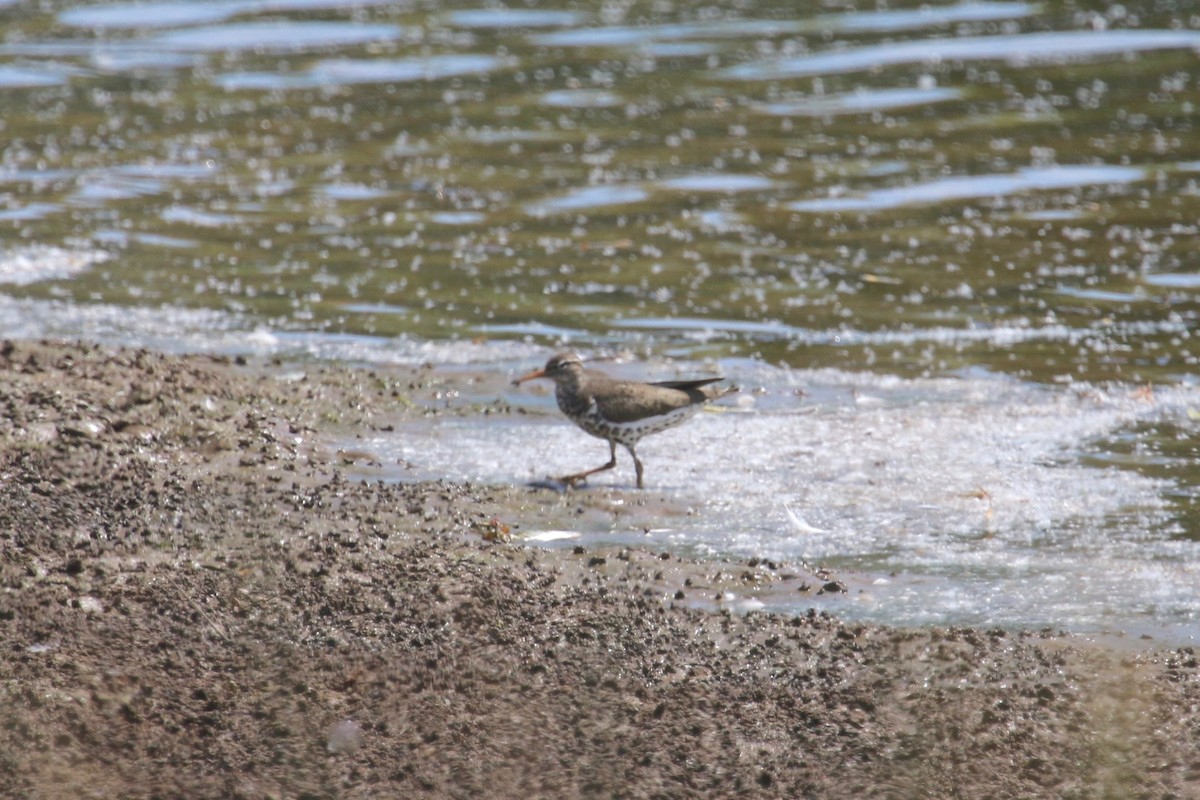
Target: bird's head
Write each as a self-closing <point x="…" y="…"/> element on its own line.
<point x="560" y="366"/>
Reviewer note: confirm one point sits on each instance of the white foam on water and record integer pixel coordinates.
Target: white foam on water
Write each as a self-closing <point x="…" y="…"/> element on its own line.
<point x="33" y="263"/>
<point x="174" y="329"/>
<point x="969" y="499"/>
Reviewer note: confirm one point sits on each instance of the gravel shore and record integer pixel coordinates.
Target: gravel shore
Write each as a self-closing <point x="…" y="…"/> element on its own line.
<point x="199" y="603"/>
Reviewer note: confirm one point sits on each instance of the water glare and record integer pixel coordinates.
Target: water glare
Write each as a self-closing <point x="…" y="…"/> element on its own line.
<point x="1021" y="49"/>
<point x="966" y="187"/>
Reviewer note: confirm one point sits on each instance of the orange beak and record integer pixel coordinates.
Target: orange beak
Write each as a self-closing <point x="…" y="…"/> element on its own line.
<point x="528" y="376"/>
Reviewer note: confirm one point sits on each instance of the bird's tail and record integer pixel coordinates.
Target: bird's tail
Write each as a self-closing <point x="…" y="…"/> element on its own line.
<point x="717" y="392"/>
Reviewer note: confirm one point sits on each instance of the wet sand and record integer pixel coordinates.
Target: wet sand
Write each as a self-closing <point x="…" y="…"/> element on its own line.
<point x="201" y="601"/>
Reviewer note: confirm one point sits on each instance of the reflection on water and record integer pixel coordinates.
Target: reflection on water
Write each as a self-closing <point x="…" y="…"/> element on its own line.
<point x="271" y="36"/>
<point x="180" y="13"/>
<point x="964" y="187"/>
<point x="927" y="16"/>
<point x="859" y="102"/>
<point x="591" y="197"/>
<point x="581" y="98"/>
<point x="1020" y="49"/>
<point x="1171" y="280"/>
<point x="343" y="71"/>
<point x="513" y="18"/>
<point x="717" y="183"/>
<point x="14" y="77"/>
<point x="923" y="190"/>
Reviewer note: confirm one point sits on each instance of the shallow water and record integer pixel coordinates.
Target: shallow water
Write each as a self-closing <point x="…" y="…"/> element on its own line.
<point x="966" y="499"/>
<point x="934" y="203"/>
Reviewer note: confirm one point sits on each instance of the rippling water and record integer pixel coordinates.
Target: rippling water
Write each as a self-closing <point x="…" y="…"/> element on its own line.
<point x="922" y="194"/>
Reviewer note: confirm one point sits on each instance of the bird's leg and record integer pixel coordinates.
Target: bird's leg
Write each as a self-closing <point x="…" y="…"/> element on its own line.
<point x="637" y="464"/>
<point x="571" y="480"/>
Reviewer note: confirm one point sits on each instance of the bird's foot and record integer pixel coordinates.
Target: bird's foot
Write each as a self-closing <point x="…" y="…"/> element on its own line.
<point x="558" y="484"/>
<point x="573" y="481"/>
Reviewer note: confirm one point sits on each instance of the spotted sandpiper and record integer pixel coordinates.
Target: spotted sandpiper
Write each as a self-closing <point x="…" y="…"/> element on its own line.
<point x="621" y="412"/>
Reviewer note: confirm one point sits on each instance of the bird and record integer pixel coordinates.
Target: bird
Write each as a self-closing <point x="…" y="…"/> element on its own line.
<point x="620" y="411"/>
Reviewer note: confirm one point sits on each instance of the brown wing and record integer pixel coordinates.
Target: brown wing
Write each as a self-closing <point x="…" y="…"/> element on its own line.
<point x="621" y="401"/>
<point x="695" y="383"/>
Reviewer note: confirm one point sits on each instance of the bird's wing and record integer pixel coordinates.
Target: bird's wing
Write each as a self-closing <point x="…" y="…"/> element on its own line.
<point x="700" y="389"/>
<point x="633" y="402"/>
<point x="695" y="383"/>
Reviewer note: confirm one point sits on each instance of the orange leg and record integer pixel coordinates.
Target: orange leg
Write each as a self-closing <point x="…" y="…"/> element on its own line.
<point x="571" y="480"/>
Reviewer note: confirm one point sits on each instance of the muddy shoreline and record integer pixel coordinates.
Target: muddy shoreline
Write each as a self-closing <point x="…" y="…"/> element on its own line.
<point x="199" y="602"/>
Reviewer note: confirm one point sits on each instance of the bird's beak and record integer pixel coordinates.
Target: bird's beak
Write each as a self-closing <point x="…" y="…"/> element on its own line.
<point x="528" y="376"/>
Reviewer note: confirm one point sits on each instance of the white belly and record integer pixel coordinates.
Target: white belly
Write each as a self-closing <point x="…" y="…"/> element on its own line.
<point x="628" y="433"/>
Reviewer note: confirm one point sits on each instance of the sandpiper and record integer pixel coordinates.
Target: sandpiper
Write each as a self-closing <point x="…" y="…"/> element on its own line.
<point x="618" y="411"/>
